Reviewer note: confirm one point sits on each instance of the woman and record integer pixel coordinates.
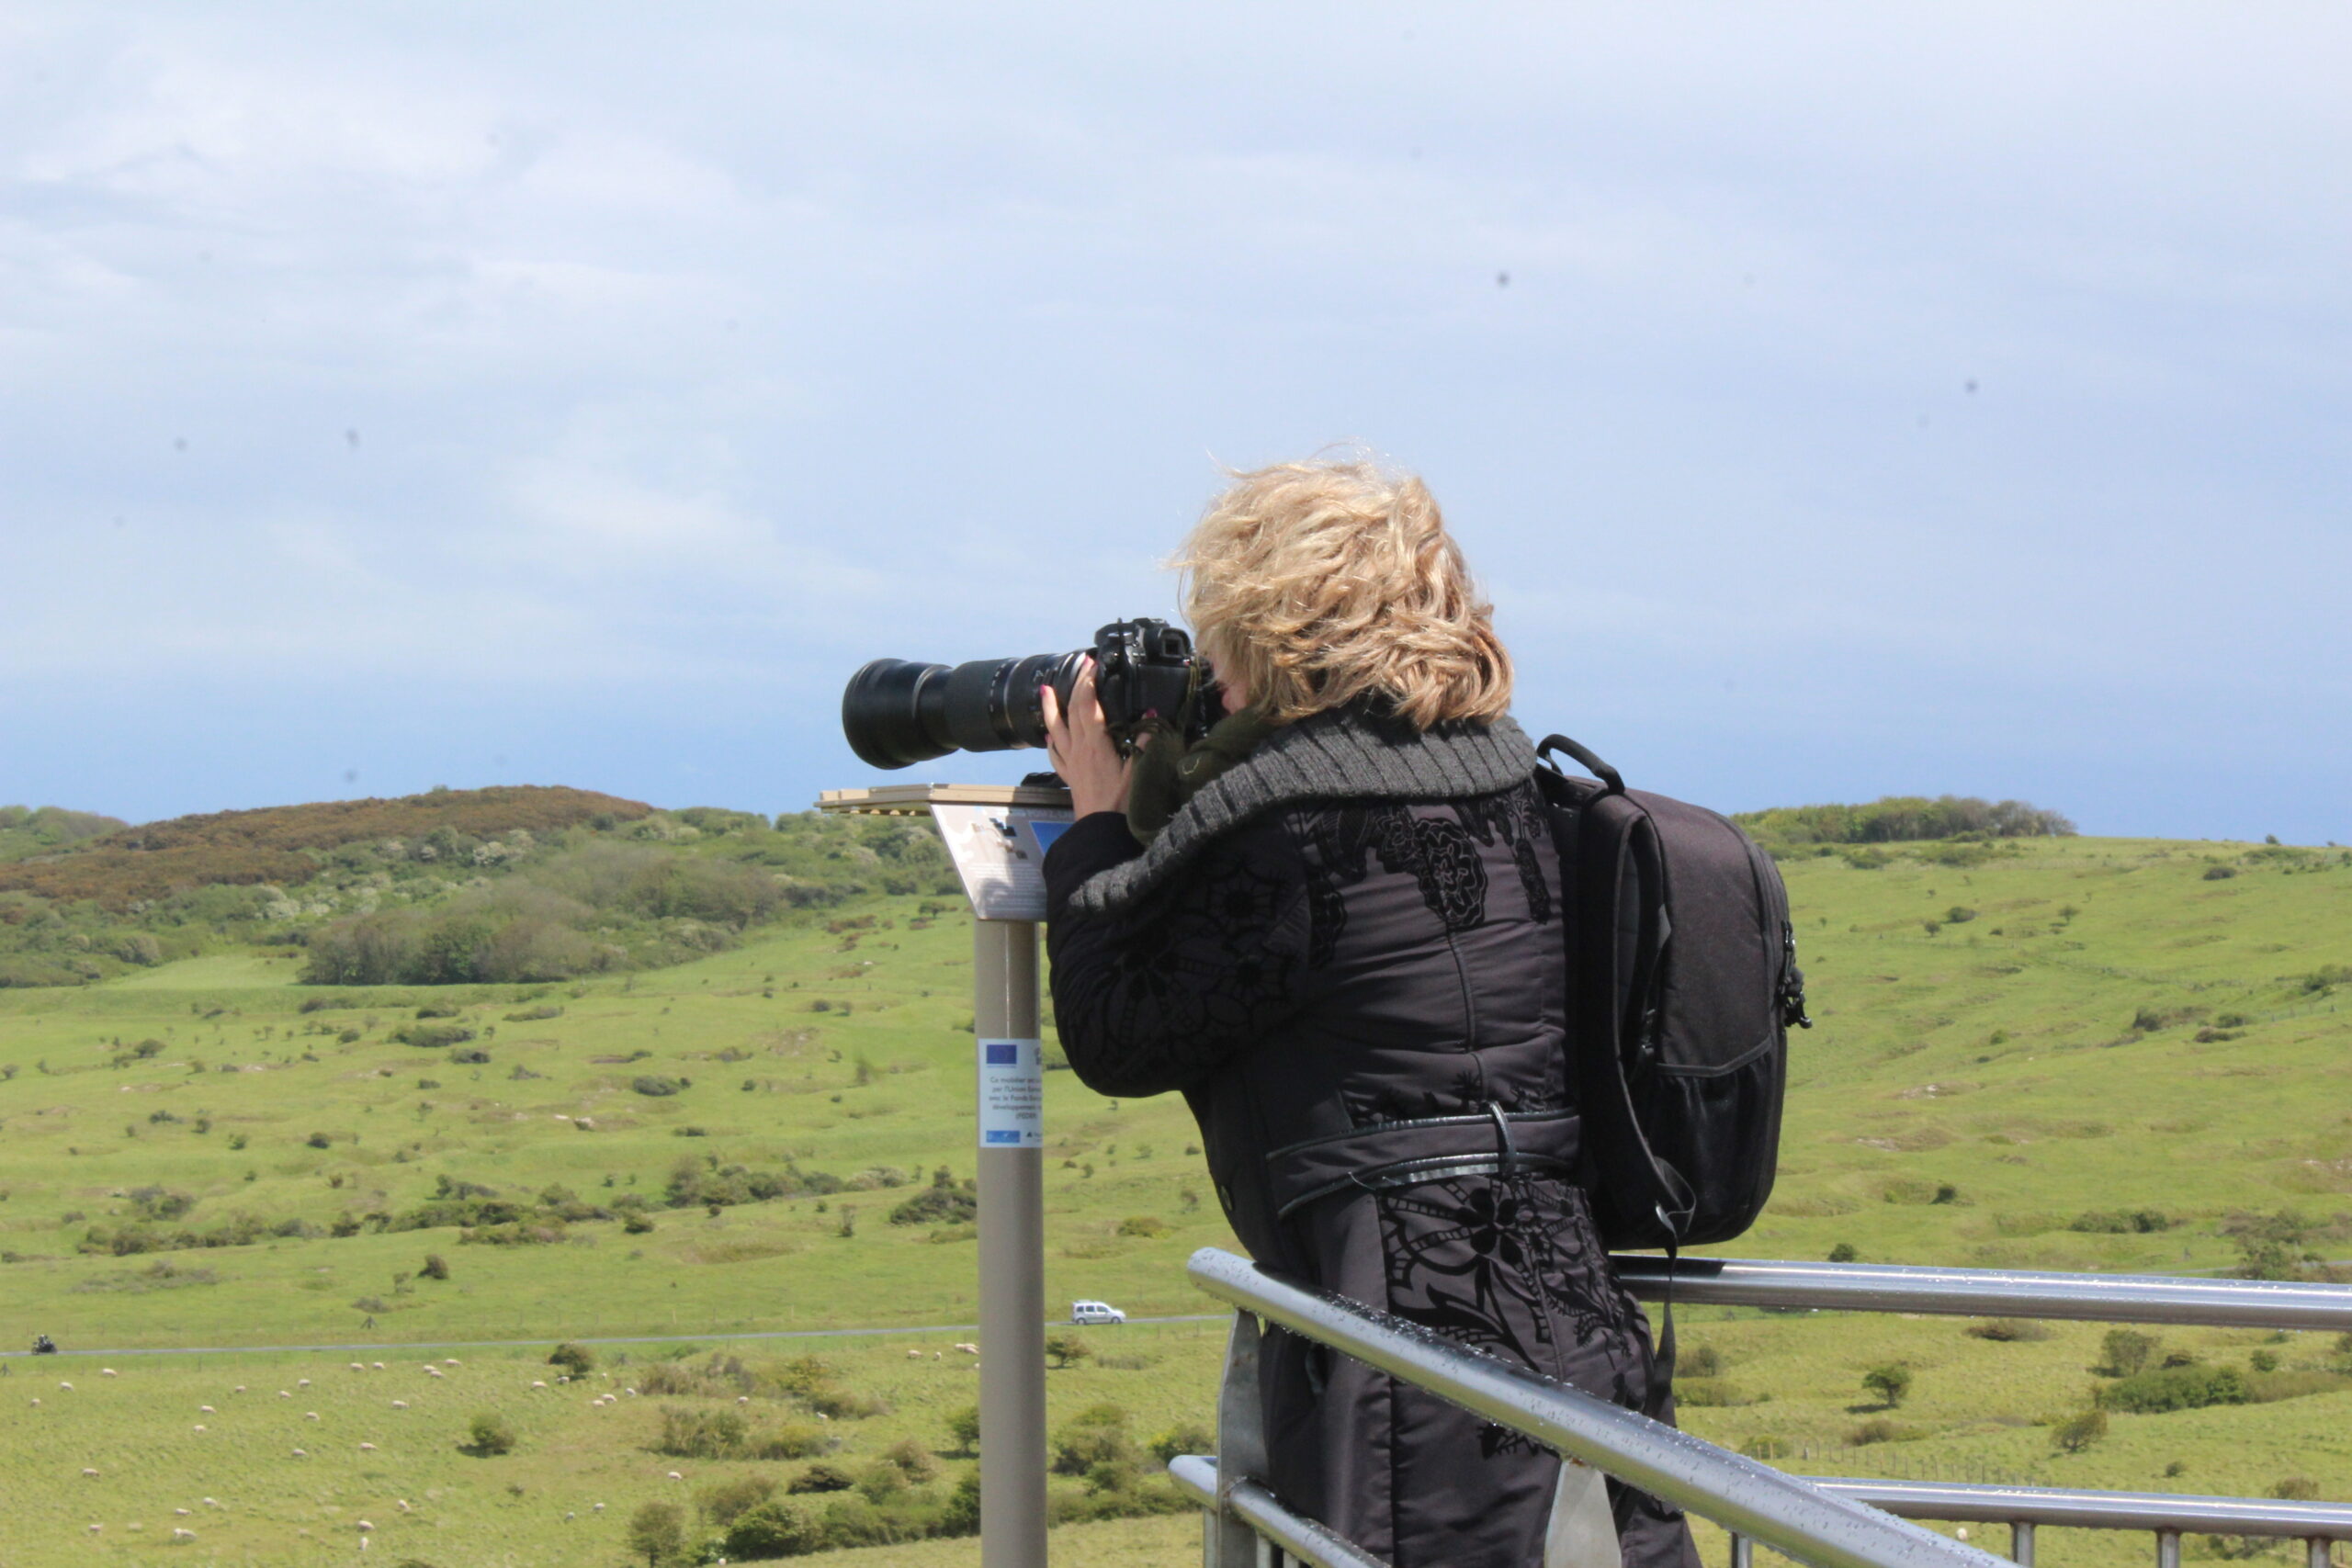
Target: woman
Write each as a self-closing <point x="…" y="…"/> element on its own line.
<point x="1342" y="943"/>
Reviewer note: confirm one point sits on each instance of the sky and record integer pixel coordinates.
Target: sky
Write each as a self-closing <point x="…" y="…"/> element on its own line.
<point x="1836" y="401"/>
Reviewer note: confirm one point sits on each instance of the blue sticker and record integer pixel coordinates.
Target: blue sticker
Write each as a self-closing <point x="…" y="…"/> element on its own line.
<point x="1003" y="1053"/>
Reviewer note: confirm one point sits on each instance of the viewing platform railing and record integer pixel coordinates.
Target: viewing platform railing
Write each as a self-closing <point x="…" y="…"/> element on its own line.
<point x="1824" y="1521"/>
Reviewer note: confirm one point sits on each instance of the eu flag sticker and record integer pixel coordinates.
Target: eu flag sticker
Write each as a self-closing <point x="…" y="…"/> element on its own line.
<point x="1013" y="1094"/>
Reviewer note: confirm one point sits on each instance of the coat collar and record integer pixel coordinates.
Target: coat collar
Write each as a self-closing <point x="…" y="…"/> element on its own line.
<point x="1345" y="753"/>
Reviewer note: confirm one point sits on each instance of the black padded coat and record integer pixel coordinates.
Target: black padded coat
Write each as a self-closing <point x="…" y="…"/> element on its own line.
<point x="1346" y="952"/>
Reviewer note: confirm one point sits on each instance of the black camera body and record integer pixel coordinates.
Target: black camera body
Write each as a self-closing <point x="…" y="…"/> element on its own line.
<point x="895" y="713"/>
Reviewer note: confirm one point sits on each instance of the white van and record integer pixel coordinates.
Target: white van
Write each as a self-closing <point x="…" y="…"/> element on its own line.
<point x="1095" y="1312"/>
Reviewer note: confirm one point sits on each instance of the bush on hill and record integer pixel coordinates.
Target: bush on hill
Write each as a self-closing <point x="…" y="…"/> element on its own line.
<point x="944" y="1202"/>
<point x="33" y="831"/>
<point x="2160" y="1389"/>
<point x="1902" y="818"/>
<point x="451" y="887"/>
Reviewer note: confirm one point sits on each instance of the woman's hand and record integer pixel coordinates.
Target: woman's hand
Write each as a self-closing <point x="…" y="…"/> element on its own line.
<point x="1081" y="749"/>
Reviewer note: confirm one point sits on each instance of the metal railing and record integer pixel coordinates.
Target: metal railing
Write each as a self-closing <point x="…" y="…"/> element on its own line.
<point x="1991" y="1293"/>
<point x="2022" y="1509"/>
<point x="1828" y="1522"/>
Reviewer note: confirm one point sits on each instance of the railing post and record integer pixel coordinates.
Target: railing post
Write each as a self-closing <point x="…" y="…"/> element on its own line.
<point x="2021" y="1543"/>
<point x="2167" y="1549"/>
<point x="2316" y="1552"/>
<point x="1241" y="1449"/>
<point x="1743" y="1551"/>
<point x="1012" y="1268"/>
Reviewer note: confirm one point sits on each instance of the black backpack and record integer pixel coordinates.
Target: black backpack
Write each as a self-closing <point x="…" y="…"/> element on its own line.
<point x="1682" y="984"/>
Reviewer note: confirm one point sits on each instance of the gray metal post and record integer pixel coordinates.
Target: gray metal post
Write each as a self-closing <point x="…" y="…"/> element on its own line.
<point x="2021" y="1543"/>
<point x="1240" y="1446"/>
<point x="2167" y="1549"/>
<point x="1743" y="1551"/>
<point x="1012" y="1275"/>
<point x="2315" y="1551"/>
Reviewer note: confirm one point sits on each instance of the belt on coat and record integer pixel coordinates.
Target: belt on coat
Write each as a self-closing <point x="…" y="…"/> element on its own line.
<point x="1430" y="1148"/>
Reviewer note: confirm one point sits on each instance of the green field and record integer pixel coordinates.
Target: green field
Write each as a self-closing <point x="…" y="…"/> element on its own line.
<point x="2092" y="1030"/>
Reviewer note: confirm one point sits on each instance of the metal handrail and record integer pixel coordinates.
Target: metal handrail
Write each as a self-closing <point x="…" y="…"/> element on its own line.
<point x="1990" y="1293"/>
<point x="2022" y="1509"/>
<point x="1793" y="1517"/>
<point x="2097" y="1510"/>
<point x="1301" y="1537"/>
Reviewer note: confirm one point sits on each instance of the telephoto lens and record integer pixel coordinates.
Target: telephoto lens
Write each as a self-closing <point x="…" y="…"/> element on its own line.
<point x="895" y="713"/>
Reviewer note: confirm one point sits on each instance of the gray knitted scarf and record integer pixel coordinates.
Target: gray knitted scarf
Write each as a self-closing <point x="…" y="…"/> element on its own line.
<point x="1342" y="754"/>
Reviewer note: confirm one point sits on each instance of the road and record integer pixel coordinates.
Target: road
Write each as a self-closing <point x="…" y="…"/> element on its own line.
<point x="728" y="1335"/>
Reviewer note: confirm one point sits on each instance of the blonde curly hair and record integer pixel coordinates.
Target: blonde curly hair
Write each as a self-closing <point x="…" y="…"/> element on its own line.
<point x="1316" y="583"/>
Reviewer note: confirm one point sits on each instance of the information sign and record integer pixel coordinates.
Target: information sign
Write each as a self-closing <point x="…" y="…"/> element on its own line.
<point x="1013" y="1094"/>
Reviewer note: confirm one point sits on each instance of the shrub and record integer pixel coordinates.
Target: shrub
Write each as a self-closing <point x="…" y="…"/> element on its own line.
<point x="2175" y="1388"/>
<point x="436" y="1267"/>
<point x="912" y="1460"/>
<point x="1844" y="1253"/>
<point x="881" y="1482"/>
<point x="1879" y="1429"/>
<point x="2220" y="873"/>
<point x="2326" y="977"/>
<point x="1700" y="1362"/>
<point x="776" y="1528"/>
<point x="2008" y="1330"/>
<point x="837" y="1404"/>
<point x="1702" y="1393"/>
<point x="723" y="1503"/>
<point x="2078" y="1432"/>
<point x="792" y="1440"/>
<point x="1065" y="1346"/>
<point x="821" y="1477"/>
<point x="657" y="1532"/>
<point x="2263" y="1388"/>
<point x="2263" y="1360"/>
<point x="944" y="1202"/>
<point x="2121" y="1222"/>
<point x="2295" y="1489"/>
<point x="1890" y="1382"/>
<point x="1116" y="1475"/>
<point x="160" y="1203"/>
<point x="964" y="1428"/>
<point x="1149" y="1226"/>
<point x="577" y="1359"/>
<point x="488" y="1433"/>
<point x="702" y="1434"/>
<point x="2126" y="1351"/>
<point x="657" y="1086"/>
<point x="1185" y="1437"/>
<point x="319" y="1141"/>
<point x="471" y="1056"/>
<point x="431" y="1034"/>
<point x="1097" y="1433"/>
<point x="962" y="1514"/>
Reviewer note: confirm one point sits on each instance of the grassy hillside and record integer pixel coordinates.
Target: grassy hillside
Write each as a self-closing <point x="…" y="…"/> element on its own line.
<point x="2066" y="1053"/>
<point x="454" y="885"/>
